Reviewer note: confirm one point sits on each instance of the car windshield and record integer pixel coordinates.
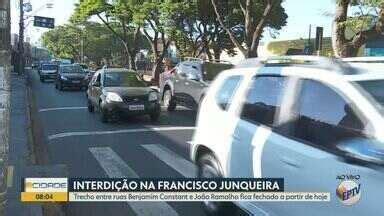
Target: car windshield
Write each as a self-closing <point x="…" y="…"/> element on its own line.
<point x="376" y="89"/>
<point x="122" y="79"/>
<point x="49" y="67"/>
<point x="211" y="70"/>
<point x="71" y="69"/>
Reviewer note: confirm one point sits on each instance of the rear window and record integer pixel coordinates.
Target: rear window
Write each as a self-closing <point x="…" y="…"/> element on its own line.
<point x="49" y="67"/>
<point x="71" y="69"/>
<point x="84" y="66"/>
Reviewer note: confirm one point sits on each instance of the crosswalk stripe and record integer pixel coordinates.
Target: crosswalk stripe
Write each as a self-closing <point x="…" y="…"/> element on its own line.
<point x="137" y="130"/>
<point x="115" y="167"/>
<point x="112" y="164"/>
<point x="62" y="108"/>
<point x="178" y="163"/>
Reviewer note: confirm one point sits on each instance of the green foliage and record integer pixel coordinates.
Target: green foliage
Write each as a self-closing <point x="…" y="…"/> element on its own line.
<point x="99" y="43"/>
<point x="363" y="17"/>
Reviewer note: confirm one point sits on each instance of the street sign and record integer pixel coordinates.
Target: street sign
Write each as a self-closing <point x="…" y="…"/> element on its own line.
<point x="44" y="22"/>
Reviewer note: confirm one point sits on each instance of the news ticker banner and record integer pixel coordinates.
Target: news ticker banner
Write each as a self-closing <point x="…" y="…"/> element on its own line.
<point x="164" y="190"/>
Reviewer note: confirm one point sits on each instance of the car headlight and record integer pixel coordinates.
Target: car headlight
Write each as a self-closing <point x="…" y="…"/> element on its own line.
<point x="153" y="96"/>
<point x="64" y="78"/>
<point x="113" y="97"/>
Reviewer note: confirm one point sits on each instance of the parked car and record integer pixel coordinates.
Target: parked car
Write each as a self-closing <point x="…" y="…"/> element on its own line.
<point x="48" y="71"/>
<point x="366" y="64"/>
<point x="117" y="92"/>
<point x="187" y="83"/>
<point x="70" y="76"/>
<point x="308" y="120"/>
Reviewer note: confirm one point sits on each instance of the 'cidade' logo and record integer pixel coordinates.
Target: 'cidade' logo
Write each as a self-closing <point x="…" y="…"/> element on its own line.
<point x="349" y="192"/>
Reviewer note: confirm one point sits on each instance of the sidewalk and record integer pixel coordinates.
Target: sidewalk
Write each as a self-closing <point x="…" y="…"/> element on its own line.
<point x="19" y="154"/>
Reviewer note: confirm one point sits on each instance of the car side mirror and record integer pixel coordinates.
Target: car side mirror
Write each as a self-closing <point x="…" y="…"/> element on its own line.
<point x="364" y="150"/>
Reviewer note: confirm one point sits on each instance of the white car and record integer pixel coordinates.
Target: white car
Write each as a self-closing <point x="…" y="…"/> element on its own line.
<point x="366" y="64"/>
<point x="309" y="120"/>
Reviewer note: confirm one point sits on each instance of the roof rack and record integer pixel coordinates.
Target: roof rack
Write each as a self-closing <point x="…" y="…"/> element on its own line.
<point x="306" y="61"/>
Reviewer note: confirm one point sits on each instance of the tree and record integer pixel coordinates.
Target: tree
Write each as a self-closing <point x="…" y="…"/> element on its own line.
<point x="196" y="30"/>
<point x="256" y="16"/>
<point x="117" y="17"/>
<point x="63" y="41"/>
<point x="153" y="18"/>
<point x="367" y="22"/>
<point x="98" y="42"/>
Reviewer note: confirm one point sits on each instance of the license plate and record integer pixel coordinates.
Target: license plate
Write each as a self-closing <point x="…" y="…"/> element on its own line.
<point x="136" y="107"/>
<point x="76" y="81"/>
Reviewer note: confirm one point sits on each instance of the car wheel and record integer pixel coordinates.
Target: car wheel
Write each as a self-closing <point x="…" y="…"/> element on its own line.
<point x="56" y="87"/>
<point x="155" y="116"/>
<point x="91" y="108"/>
<point x="169" y="101"/>
<point x="208" y="167"/>
<point x="42" y="79"/>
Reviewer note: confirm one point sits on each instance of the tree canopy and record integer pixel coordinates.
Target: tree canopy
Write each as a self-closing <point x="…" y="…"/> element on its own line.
<point x="95" y="39"/>
<point x="352" y="30"/>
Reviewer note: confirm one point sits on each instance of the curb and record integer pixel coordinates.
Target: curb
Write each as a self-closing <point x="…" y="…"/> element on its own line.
<point x="38" y="153"/>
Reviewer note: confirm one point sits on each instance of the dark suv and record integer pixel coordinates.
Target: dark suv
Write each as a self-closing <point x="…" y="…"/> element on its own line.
<point x="187" y="82"/>
<point x="71" y="76"/>
<point x="118" y="92"/>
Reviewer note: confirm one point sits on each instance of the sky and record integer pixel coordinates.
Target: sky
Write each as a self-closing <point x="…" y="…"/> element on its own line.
<point x="301" y="13"/>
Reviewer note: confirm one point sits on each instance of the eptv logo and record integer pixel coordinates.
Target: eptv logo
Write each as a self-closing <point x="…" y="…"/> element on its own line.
<point x="349" y="192"/>
<point x="46" y="185"/>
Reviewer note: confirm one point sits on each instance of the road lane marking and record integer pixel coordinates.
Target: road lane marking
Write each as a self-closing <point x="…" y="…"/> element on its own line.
<point x="115" y="167"/>
<point x="112" y="164"/>
<point x="178" y="163"/>
<point x="138" y="130"/>
<point x="10" y="176"/>
<point x="62" y="108"/>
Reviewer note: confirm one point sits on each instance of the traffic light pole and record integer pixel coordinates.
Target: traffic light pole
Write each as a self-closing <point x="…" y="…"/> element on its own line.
<point x="21" y="39"/>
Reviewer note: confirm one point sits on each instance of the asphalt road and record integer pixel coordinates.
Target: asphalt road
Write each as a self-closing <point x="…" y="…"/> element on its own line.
<point x="129" y="148"/>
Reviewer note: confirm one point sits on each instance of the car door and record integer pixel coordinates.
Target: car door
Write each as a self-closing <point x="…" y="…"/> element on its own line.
<point x="303" y="150"/>
<point x="195" y="85"/>
<point x="262" y="102"/>
<point x="181" y="83"/>
<point x="261" y="106"/>
<point x="95" y="90"/>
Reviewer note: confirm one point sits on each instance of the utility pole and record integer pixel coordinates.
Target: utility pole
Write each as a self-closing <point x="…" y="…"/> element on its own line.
<point x="5" y="71"/>
<point x="21" y="38"/>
